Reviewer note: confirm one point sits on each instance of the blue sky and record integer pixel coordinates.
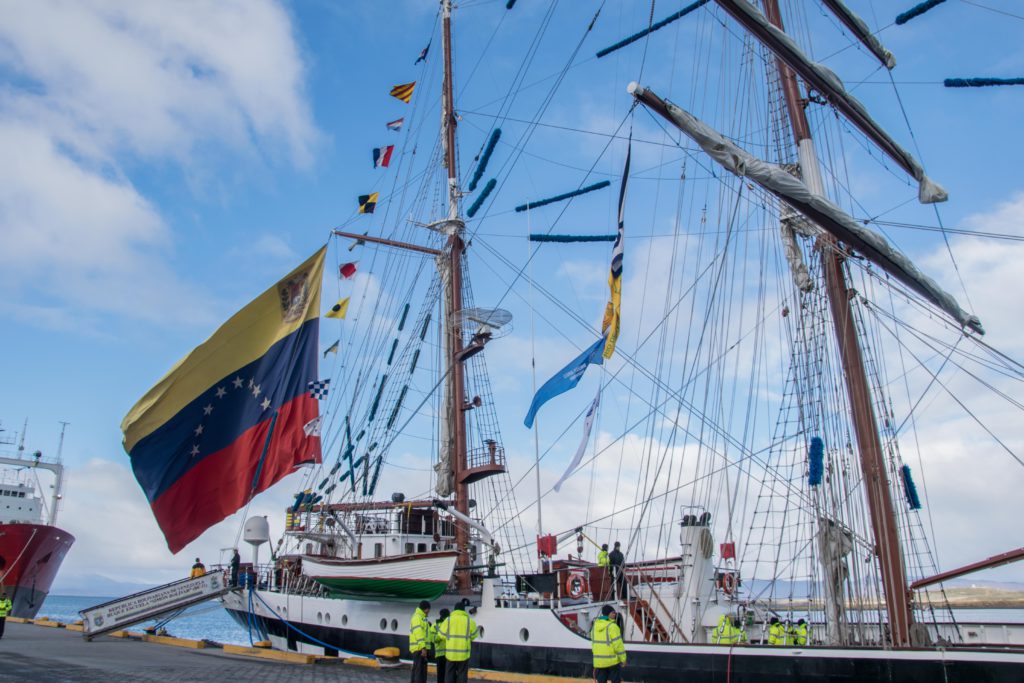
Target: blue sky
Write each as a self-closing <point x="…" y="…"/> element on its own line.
<point x="164" y="166"/>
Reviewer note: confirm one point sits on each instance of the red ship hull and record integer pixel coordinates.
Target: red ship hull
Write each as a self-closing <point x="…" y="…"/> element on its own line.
<point x="30" y="555"/>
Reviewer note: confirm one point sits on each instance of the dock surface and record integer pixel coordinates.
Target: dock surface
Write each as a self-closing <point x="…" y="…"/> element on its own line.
<point x="28" y="652"/>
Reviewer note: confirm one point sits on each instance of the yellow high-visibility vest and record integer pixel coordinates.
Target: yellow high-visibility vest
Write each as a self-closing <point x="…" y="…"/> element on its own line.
<point x="777" y="634"/>
<point x="458" y="631"/>
<point x="419" y="629"/>
<point x="5" y="607"/>
<point x="606" y="643"/>
<point x="602" y="558"/>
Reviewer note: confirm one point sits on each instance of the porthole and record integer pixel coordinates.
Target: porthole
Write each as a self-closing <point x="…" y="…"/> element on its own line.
<point x="319" y="617"/>
<point x="327" y="617"/>
<point x="394" y="624"/>
<point x="480" y="631"/>
<point x="383" y="624"/>
<point x="524" y="635"/>
<point x="284" y="611"/>
<point x="344" y="620"/>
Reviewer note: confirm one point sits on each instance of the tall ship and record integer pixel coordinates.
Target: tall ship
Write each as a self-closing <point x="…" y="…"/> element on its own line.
<point x="32" y="546"/>
<point x="771" y="376"/>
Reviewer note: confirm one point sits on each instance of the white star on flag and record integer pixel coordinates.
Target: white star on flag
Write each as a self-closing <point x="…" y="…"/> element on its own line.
<point x="221" y="391"/>
<point x="312" y="428"/>
<point x="237" y="381"/>
<point x="207" y="409"/>
<point x="265" y="404"/>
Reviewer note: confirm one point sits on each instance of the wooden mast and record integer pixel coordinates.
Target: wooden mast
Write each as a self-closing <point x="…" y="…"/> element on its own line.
<point x="454" y="227"/>
<point x="869" y="443"/>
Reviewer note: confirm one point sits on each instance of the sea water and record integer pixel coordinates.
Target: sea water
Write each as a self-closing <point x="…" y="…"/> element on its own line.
<point x="205" y="621"/>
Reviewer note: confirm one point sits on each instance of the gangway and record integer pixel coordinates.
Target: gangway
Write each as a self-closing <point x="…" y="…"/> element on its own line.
<point x="152" y="603"/>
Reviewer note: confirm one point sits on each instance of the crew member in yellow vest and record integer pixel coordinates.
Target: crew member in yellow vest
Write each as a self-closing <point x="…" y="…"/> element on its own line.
<point x="608" y="648"/>
<point x="459" y="632"/>
<point x="729" y="632"/>
<point x="440" y="656"/>
<point x="776" y="632"/>
<point x="799" y="633"/>
<point x="5" y="609"/>
<point x="602" y="556"/>
<point x="198" y="569"/>
<point x="419" y="642"/>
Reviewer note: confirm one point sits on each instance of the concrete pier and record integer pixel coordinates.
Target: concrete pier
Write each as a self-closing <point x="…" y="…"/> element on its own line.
<point x="31" y="653"/>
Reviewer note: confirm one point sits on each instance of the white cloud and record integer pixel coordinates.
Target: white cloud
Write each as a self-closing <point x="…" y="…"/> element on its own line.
<point x="96" y="87"/>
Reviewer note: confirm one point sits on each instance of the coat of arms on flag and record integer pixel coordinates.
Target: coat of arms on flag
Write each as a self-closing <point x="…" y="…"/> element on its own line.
<point x="396" y="124"/>
<point x="382" y="156"/>
<point x="318" y="388"/>
<point x="368" y="202"/>
<point x="403" y="91"/>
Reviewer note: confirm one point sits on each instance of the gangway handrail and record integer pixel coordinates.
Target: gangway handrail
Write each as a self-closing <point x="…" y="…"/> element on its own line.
<point x="152" y="603"/>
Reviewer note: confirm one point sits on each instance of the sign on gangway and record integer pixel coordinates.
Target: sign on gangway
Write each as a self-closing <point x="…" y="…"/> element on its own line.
<point x="152" y="603"/>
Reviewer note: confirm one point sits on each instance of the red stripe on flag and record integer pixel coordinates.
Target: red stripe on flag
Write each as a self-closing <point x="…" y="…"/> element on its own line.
<point x="221" y="483"/>
<point x="386" y="157"/>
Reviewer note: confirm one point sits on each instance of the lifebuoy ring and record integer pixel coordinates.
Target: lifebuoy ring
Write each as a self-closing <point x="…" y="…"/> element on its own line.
<point x="727" y="582"/>
<point x="575" y="585"/>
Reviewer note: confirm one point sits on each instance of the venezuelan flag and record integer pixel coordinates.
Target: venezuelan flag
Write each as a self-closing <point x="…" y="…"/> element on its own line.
<point x="227" y="421"/>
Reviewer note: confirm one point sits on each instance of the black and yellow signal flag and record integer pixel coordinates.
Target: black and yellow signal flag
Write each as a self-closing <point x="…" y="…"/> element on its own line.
<point x="404" y="91"/>
<point x="338" y="310"/>
<point x="368" y="202"/>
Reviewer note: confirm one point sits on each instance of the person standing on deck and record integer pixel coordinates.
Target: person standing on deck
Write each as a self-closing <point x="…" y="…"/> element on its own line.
<point x="440" y="656"/>
<point x="459" y="632"/>
<point x="607" y="646"/>
<point x="5" y="609"/>
<point x="236" y="560"/>
<point x="776" y="632"/>
<point x="618" y="563"/>
<point x="198" y="569"/>
<point x="419" y="642"/>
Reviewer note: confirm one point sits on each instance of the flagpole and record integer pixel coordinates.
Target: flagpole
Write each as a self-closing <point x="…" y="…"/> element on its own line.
<point x="533" y="370"/>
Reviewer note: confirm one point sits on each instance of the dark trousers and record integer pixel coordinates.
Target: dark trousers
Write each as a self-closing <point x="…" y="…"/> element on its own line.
<point x="457" y="672"/>
<point x="3" y="622"/>
<point x="419" y="667"/>
<point x="608" y="673"/>
<point x="621" y="591"/>
<point x="442" y="665"/>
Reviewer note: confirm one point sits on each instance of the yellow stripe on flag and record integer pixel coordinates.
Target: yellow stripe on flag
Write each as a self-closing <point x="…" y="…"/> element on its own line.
<point x="338" y="310"/>
<point x="245" y="337"/>
<point x="404" y="91"/>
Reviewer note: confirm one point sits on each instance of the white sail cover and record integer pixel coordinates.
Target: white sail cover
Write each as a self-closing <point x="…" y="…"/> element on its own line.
<point x="861" y="31"/>
<point x="823" y="212"/>
<point x="828" y="84"/>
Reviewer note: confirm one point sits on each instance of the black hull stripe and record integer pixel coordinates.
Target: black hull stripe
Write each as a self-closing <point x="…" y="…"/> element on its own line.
<point x="694" y="667"/>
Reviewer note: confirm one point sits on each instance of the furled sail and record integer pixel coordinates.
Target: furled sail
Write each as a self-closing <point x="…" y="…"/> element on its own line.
<point x="859" y="29"/>
<point x="823" y="212"/>
<point x="828" y="84"/>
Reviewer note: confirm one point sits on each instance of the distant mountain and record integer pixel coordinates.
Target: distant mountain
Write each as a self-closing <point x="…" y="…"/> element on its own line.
<point x="96" y="585"/>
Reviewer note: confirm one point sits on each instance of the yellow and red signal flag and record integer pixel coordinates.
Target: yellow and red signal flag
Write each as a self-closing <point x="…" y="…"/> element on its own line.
<point x="404" y="91"/>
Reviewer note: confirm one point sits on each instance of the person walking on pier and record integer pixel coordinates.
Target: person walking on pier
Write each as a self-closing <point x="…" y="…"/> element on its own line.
<point x="607" y="647"/>
<point x="419" y="642"/>
<point x="198" y="569"/>
<point x="5" y="609"/>
<point x="459" y="632"/>
<point x="236" y="560"/>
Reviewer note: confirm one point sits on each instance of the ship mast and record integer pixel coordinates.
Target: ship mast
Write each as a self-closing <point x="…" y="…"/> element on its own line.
<point x="454" y="227"/>
<point x="869" y="443"/>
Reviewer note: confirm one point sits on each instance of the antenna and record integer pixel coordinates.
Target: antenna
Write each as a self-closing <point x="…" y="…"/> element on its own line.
<point x="60" y="444"/>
